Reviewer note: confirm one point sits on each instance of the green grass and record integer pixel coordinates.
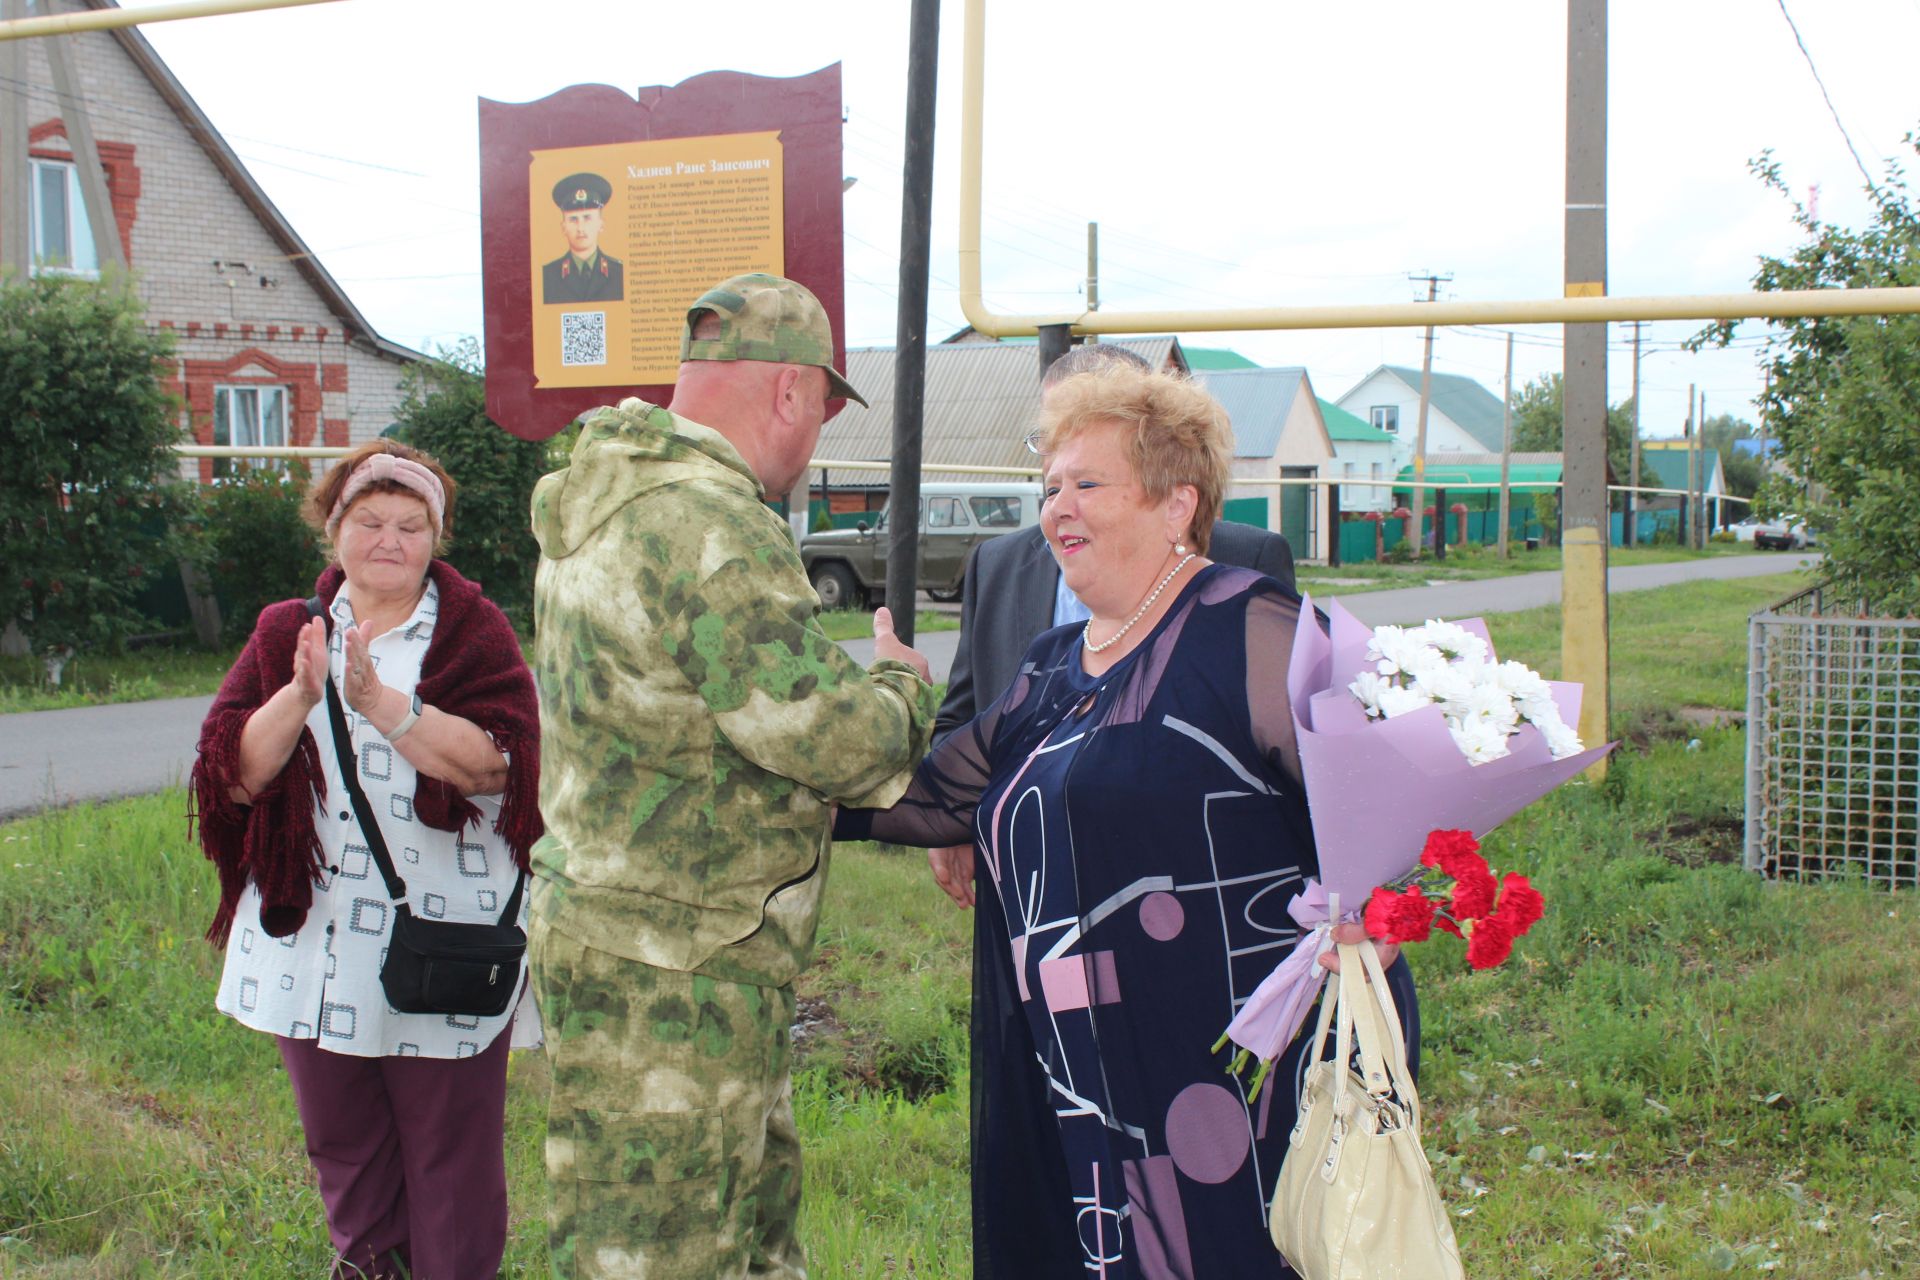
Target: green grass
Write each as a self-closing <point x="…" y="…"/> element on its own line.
<point x="160" y="671"/>
<point x="854" y="624"/>
<point x="1474" y="562"/>
<point x="1685" y="1072"/>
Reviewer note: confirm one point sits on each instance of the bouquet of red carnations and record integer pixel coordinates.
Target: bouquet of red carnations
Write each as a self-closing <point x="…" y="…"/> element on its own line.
<point x="1461" y="741"/>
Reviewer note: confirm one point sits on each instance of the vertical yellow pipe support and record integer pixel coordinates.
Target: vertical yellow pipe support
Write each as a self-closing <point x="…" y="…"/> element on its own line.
<point x="1583" y="629"/>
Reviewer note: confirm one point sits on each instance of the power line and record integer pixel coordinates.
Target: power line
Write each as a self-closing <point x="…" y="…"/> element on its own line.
<point x="1824" y="94"/>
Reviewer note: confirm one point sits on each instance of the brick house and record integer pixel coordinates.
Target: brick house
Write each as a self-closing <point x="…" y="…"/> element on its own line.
<point x="270" y="350"/>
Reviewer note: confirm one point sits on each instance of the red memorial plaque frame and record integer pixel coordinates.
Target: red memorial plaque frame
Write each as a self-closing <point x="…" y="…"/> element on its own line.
<point x="804" y="110"/>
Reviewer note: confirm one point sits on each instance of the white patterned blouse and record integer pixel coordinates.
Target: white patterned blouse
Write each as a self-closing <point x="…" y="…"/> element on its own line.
<point x="322" y="982"/>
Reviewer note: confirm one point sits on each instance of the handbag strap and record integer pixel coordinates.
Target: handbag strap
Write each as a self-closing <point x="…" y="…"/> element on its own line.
<point x="1384" y="1020"/>
<point x="1357" y="1009"/>
<point x="362" y="810"/>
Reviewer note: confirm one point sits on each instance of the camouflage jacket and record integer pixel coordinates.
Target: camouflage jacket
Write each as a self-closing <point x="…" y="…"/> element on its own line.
<point x="696" y="722"/>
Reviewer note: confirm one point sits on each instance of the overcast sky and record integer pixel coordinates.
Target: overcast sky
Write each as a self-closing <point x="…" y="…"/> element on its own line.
<point x="1234" y="154"/>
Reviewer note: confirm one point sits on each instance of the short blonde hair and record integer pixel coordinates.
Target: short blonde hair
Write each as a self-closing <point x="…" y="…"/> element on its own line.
<point x="1172" y="433"/>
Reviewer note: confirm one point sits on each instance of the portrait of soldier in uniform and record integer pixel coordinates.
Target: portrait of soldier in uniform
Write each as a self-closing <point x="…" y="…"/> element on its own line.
<point x="583" y="273"/>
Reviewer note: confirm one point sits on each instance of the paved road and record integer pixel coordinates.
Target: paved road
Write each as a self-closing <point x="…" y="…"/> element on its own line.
<point x="96" y="753"/>
<point x="102" y="753"/>
<point x="1531" y="590"/>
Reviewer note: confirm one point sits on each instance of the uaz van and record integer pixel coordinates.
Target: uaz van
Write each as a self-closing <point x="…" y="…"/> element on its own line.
<point x="848" y="567"/>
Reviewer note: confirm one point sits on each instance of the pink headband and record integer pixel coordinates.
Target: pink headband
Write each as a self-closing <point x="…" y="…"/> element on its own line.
<point x="405" y="471"/>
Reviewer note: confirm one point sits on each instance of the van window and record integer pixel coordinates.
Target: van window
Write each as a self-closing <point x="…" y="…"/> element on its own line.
<point x="945" y="513"/>
<point x="997" y="512"/>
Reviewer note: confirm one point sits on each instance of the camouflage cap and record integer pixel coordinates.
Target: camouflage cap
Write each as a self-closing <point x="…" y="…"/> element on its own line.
<point x="766" y="317"/>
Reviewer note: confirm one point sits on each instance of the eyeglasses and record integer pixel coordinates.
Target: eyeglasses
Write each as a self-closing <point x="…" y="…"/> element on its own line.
<point x="1032" y="441"/>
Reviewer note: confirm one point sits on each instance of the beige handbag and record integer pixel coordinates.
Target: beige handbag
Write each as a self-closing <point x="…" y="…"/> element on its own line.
<point x="1356" y="1199"/>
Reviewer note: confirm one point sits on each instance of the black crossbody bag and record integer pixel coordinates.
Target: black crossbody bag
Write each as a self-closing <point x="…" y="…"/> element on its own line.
<point x="432" y="966"/>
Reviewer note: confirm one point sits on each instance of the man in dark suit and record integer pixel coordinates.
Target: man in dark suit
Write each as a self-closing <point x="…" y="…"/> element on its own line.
<point x="1012" y="592"/>
<point x="583" y="273"/>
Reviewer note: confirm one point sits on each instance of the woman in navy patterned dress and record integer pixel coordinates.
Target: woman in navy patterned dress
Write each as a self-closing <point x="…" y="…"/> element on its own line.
<point x="1140" y="824"/>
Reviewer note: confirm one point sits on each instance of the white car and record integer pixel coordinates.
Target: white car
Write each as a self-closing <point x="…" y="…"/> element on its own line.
<point x="1783" y="533"/>
<point x="1743" y="530"/>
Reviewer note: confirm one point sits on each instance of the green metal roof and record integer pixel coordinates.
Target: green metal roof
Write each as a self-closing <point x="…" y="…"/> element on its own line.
<point x="1200" y="359"/>
<point x="1519" y="475"/>
<point x="1342" y="425"/>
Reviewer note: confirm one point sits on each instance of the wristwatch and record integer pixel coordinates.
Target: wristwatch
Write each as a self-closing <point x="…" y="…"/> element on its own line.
<point x="406" y="721"/>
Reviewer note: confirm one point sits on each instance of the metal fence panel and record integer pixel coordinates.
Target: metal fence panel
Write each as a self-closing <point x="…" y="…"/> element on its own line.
<point x="1833" y="742"/>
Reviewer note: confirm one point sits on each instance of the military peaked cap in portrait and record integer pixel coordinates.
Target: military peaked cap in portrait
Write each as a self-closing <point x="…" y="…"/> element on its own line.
<point x="582" y="191"/>
<point x="766" y="317"/>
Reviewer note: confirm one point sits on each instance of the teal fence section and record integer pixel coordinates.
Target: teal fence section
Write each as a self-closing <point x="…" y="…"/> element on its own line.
<point x="1649" y="527"/>
<point x="1356" y="542"/>
<point x="1251" y="511"/>
<point x="1357" y="539"/>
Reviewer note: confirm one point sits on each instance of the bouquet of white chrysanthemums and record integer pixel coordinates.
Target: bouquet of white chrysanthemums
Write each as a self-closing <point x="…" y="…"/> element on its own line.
<point x="1484" y="702"/>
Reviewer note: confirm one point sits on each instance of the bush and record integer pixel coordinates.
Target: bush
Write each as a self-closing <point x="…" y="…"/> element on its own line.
<point x="89" y="492"/>
<point x="254" y="545"/>
<point x="1546" y="509"/>
<point x="445" y="413"/>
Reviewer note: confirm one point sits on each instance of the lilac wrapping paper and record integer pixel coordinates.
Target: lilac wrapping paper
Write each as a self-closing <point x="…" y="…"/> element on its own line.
<point x="1375" y="788"/>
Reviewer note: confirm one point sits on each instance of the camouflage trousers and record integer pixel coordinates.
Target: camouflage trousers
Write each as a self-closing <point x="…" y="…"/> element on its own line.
<point x="671" y="1148"/>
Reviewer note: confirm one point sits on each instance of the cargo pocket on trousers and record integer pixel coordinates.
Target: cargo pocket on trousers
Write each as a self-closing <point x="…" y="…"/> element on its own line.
<point x="648" y="1175"/>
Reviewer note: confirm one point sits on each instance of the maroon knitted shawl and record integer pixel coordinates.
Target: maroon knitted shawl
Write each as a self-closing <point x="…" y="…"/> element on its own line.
<point x="472" y="669"/>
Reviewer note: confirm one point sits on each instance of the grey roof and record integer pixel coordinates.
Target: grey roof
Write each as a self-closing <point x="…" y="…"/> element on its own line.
<point x="1476" y="410"/>
<point x="1257" y="402"/>
<point x="981" y="400"/>
<point x="200" y="127"/>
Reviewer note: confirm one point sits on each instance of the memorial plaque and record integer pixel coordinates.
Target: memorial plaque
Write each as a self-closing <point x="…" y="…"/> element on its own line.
<point x="604" y="216"/>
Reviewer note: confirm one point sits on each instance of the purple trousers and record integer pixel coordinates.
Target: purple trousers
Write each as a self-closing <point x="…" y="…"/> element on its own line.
<point x="410" y="1155"/>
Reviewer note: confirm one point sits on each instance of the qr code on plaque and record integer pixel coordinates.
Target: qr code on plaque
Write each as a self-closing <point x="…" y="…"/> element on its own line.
<point x="583" y="337"/>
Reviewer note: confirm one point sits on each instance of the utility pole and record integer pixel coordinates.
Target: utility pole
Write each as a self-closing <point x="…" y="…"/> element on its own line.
<point x="16" y="241"/>
<point x="1093" y="272"/>
<point x="910" y="355"/>
<point x="1700" y="474"/>
<point x="1766" y="390"/>
<point x="1687" y="525"/>
<point x="86" y="157"/>
<point x="1583" y="573"/>
<point x="1628" y="531"/>
<point x="1418" y="534"/>
<point x="1506" y="445"/>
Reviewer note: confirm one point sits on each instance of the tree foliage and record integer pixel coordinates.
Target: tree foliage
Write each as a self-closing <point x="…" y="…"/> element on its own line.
<point x="89" y="490"/>
<point x="1742" y="470"/>
<point x="1539" y="423"/>
<point x="444" y="411"/>
<point x="1842" y="409"/>
<point x="254" y="544"/>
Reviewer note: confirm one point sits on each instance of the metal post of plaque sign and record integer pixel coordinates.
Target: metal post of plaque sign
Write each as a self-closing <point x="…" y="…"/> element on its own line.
<point x="910" y="351"/>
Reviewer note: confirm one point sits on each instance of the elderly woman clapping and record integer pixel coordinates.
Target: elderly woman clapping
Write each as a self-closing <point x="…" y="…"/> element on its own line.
<point x="404" y="1113"/>
<point x="1139" y="824"/>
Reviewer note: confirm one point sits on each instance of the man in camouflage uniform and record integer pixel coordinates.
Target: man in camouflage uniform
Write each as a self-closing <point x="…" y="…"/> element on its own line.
<point x="697" y="726"/>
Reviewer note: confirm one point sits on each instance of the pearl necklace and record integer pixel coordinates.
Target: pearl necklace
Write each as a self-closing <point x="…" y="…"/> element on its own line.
<point x="1086" y="634"/>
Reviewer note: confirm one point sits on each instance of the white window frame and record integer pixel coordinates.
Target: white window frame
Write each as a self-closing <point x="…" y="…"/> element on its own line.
<point x="225" y="421"/>
<point x="1386" y="417"/>
<point x="77" y="256"/>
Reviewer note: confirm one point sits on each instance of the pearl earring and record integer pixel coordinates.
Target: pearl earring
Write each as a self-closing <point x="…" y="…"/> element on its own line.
<point x="1179" y="548"/>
